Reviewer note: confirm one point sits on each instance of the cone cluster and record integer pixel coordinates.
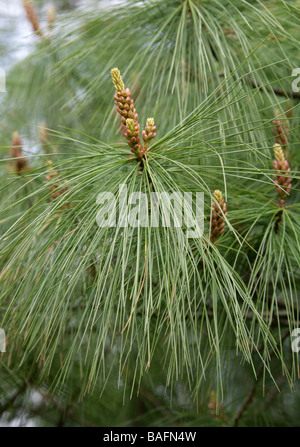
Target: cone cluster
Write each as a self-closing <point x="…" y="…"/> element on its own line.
<point x="129" y="117"/>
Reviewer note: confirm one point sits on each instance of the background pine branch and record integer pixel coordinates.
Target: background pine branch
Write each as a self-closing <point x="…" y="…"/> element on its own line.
<point x="144" y="322"/>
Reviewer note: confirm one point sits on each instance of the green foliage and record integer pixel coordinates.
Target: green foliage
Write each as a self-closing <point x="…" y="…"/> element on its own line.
<point x="161" y="316"/>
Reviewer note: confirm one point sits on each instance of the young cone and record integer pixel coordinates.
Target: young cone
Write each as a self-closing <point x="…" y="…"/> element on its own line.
<point x="132" y="130"/>
<point x="150" y="130"/>
<point x="51" y="15"/>
<point x="281" y="178"/>
<point x="31" y="15"/>
<point x="125" y="108"/>
<point x="16" y="151"/>
<point x="217" y="224"/>
<point x="281" y="131"/>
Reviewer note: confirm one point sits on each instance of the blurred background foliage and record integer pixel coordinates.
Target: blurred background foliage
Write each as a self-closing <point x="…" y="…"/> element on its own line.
<point x="215" y="75"/>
